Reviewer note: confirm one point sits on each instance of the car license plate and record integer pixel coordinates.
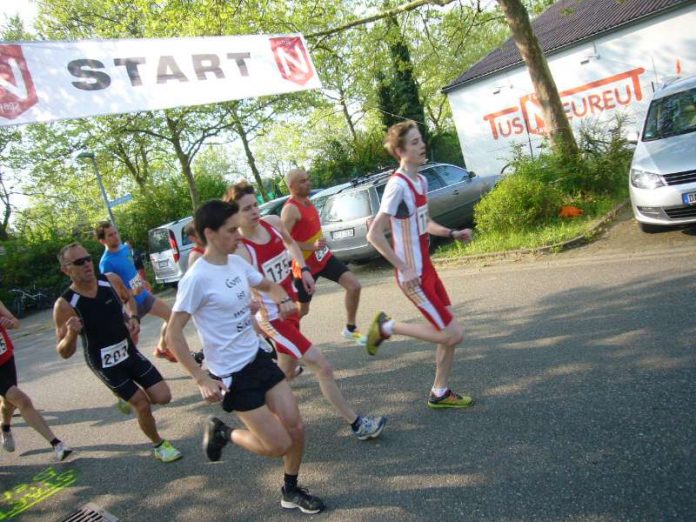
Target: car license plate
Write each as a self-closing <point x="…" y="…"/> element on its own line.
<point x="339" y="234"/>
<point x="162" y="264"/>
<point x="689" y="198"/>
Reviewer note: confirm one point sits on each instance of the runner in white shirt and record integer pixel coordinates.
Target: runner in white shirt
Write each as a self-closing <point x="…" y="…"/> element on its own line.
<point x="216" y="293"/>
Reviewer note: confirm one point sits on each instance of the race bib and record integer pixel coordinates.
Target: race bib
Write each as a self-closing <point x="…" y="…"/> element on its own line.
<point x="136" y="285"/>
<point x="3" y="346"/>
<point x="114" y="354"/>
<point x="321" y="253"/>
<point x="277" y="268"/>
<point x="422" y="216"/>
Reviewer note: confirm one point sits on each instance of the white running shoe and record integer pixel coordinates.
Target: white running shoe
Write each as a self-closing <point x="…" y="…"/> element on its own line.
<point x="7" y="441"/>
<point x="62" y="451"/>
<point x="354" y="336"/>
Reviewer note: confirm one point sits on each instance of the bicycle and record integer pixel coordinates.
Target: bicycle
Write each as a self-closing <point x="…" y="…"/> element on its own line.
<point x="37" y="300"/>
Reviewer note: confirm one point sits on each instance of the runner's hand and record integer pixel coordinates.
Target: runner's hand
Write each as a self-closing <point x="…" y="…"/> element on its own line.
<point x="6" y="322"/>
<point x="254" y="306"/>
<point x="410" y="279"/>
<point x="308" y="282"/>
<point x="287" y="308"/>
<point x="133" y="329"/>
<point x="463" y="235"/>
<point x="74" y="325"/>
<point x="319" y="243"/>
<point x="212" y="390"/>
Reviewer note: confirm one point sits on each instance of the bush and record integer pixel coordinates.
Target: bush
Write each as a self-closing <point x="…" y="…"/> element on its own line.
<point x="517" y="203"/>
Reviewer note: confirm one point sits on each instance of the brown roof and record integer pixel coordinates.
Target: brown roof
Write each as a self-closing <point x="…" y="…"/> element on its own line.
<point x="565" y="23"/>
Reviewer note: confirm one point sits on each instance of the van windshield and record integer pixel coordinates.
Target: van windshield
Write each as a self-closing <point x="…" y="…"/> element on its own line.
<point x="671" y="116"/>
<point x="158" y="240"/>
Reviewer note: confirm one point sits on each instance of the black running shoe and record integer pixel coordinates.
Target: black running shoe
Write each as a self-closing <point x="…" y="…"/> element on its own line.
<point x="301" y="499"/>
<point x="214" y="438"/>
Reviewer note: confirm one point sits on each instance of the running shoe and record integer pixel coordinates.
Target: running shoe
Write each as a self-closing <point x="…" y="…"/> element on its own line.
<point x="62" y="451"/>
<point x="299" y="498"/>
<point x="7" y="441"/>
<point x="215" y="438"/>
<point x="354" y="336"/>
<point x="370" y="427"/>
<point x="449" y="400"/>
<point x="123" y="406"/>
<point x="164" y="354"/>
<point x="374" y="334"/>
<point x="166" y="452"/>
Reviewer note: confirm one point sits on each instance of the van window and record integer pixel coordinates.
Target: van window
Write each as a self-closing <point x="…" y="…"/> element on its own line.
<point x="158" y="240"/>
<point x="346" y="207"/>
<point x="671" y="115"/>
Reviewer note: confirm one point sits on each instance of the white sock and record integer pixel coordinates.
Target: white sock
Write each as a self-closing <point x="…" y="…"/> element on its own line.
<point x="438" y="392"/>
<point x="388" y="328"/>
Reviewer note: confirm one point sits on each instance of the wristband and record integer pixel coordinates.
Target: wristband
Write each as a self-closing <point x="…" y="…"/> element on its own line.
<point x="451" y="233"/>
<point x="306" y="269"/>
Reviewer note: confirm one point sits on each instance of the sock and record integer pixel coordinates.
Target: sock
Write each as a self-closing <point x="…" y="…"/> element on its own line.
<point x="5" y="427"/>
<point x="439" y="392"/>
<point x="55" y="442"/>
<point x="351" y="327"/>
<point x="388" y="327"/>
<point x="290" y="482"/>
<point x="357" y="423"/>
<point x="159" y="444"/>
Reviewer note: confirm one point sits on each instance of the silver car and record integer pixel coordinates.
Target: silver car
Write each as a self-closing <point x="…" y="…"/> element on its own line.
<point x="169" y="249"/>
<point x="347" y="211"/>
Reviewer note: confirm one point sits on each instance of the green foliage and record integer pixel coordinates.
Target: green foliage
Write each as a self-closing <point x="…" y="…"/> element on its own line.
<point x="518" y="202"/>
<point x="444" y="146"/>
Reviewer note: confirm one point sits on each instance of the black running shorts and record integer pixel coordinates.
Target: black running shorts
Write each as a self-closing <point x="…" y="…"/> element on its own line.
<point x="248" y="388"/>
<point x="333" y="270"/>
<point x="129" y="376"/>
<point x="8" y="376"/>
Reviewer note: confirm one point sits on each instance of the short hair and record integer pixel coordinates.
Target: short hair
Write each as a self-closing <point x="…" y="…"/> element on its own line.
<point x="100" y="229"/>
<point x="61" y="253"/>
<point x="238" y="191"/>
<point x="292" y="173"/>
<point x="212" y="214"/>
<point x="396" y="136"/>
<point x="190" y="228"/>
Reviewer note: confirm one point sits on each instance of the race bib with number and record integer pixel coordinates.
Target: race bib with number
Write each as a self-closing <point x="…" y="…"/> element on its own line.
<point x="3" y="346"/>
<point x="114" y="354"/>
<point x="277" y="268"/>
<point x="319" y="254"/>
<point x="422" y="216"/>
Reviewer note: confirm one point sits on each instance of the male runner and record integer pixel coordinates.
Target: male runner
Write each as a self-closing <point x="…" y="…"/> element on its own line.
<point x="267" y="245"/>
<point x="117" y="259"/>
<point x="92" y="309"/>
<point x="301" y="219"/>
<point x="405" y="206"/>
<point x="216" y="293"/>
<point x="14" y="398"/>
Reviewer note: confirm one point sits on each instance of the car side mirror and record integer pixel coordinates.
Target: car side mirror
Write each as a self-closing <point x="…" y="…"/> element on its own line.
<point x="472" y="174"/>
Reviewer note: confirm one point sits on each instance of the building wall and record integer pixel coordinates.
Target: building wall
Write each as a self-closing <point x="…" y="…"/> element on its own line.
<point x="614" y="74"/>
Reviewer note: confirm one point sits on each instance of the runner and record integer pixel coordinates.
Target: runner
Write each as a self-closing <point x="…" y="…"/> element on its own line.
<point x="301" y="219"/>
<point x="216" y="292"/>
<point x="405" y="206"/>
<point x="118" y="260"/>
<point x="92" y="308"/>
<point x="13" y="398"/>
<point x="198" y="248"/>
<point x="267" y="245"/>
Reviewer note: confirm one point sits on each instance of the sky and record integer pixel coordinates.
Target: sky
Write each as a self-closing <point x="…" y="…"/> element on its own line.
<point x="25" y="8"/>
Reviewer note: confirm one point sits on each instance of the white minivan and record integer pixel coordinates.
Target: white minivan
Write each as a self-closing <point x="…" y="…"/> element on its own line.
<point x="662" y="182"/>
<point x="169" y="249"/>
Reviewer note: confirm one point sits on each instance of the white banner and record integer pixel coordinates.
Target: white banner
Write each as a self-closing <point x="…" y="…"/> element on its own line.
<point x="45" y="81"/>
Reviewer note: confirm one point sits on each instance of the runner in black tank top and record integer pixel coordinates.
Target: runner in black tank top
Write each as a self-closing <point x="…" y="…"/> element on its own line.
<point x="92" y="308"/>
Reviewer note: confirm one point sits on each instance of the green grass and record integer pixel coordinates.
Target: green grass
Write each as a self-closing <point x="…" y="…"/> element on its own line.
<point x="556" y="231"/>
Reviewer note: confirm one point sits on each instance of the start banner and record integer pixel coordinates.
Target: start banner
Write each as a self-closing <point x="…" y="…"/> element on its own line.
<point x="45" y="81"/>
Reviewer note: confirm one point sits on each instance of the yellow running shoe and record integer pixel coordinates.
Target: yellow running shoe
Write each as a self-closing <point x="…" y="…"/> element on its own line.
<point x="449" y="400"/>
<point x="375" y="336"/>
<point x="166" y="452"/>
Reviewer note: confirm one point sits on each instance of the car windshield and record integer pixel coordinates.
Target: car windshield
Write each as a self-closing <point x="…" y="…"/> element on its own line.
<point x="671" y="115"/>
<point x="159" y="240"/>
<point x="346" y="207"/>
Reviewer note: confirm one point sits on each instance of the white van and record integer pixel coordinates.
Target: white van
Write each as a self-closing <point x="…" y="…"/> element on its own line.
<point x="169" y="249"/>
<point x="662" y="182"/>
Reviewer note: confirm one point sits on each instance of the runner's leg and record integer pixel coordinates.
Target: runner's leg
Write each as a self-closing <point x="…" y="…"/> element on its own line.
<point x="352" y="298"/>
<point x="283" y="403"/>
<point x="316" y="360"/>
<point x="143" y="410"/>
<point x="21" y="401"/>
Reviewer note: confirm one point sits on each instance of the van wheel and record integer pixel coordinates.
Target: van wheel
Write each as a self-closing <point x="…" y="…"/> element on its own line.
<point x="650" y="229"/>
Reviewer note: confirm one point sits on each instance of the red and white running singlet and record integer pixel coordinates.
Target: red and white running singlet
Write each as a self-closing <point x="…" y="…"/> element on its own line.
<point x="6" y="346"/>
<point x="308" y="230"/>
<point x="273" y="260"/>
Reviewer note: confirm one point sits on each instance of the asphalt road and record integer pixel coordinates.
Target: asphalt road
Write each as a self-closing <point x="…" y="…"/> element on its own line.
<point x="582" y="364"/>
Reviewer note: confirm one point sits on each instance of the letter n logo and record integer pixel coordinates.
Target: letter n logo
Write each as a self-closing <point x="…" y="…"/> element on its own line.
<point x="292" y="59"/>
<point x="531" y="110"/>
<point x="17" y="92"/>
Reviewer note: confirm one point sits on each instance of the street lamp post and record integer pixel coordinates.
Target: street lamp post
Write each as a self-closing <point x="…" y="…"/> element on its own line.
<point x="90" y="155"/>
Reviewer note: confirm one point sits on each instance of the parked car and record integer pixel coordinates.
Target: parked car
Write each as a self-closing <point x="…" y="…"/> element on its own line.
<point x="169" y="249"/>
<point x="348" y="210"/>
<point x="662" y="183"/>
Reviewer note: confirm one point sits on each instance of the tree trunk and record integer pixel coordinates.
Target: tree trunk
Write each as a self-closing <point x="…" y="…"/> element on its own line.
<point x="251" y="161"/>
<point x="5" y="199"/>
<point x="556" y="123"/>
<point x="346" y="114"/>
<point x="184" y="161"/>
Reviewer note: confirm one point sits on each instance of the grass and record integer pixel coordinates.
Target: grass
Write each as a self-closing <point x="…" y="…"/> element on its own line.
<point x="556" y="231"/>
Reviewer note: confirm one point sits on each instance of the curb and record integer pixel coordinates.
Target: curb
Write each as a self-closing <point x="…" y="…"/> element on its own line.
<point x="575" y="242"/>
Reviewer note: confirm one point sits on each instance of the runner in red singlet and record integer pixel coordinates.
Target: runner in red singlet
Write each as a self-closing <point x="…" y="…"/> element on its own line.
<point x="301" y="219"/>
<point x="267" y="245"/>
<point x="405" y="207"/>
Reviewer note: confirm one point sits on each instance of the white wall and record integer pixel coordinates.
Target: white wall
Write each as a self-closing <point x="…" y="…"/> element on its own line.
<point x="619" y="74"/>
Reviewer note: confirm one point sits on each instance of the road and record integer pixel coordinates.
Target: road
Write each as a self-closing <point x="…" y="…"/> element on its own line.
<point x="582" y="364"/>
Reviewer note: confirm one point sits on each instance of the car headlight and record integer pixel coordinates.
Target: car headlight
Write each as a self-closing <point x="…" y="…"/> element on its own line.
<point x="646" y="180"/>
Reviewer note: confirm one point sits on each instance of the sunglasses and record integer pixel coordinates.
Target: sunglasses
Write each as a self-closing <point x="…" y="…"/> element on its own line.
<point x="81" y="261"/>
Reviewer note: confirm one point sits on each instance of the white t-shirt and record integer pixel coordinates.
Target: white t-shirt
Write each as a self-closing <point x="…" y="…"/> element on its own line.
<point x="217" y="297"/>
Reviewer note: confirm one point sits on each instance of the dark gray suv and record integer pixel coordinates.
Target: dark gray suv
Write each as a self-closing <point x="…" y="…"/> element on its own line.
<point x="348" y="210"/>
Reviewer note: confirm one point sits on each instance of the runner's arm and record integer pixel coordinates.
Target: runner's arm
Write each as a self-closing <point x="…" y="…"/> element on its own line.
<point x="7" y="320"/>
<point x="279" y="295"/>
<point x="378" y="240"/>
<point x="126" y="296"/>
<point x="68" y="327"/>
<point x="435" y="229"/>
<point x="295" y="251"/>
<point x="289" y="216"/>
